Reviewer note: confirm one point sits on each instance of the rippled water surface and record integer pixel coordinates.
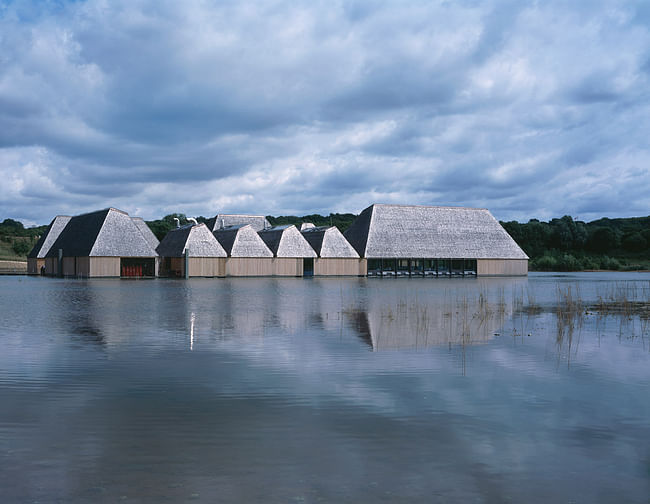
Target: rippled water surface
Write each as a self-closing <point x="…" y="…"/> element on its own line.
<point x="326" y="390"/>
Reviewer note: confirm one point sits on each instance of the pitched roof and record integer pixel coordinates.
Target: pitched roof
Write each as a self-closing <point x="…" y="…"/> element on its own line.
<point x="197" y="239"/>
<point x="242" y="241"/>
<point x="45" y="242"/>
<point x="328" y="241"/>
<point x="428" y="231"/>
<point x="146" y="232"/>
<point x="103" y="233"/>
<point x="258" y="222"/>
<point x="286" y="241"/>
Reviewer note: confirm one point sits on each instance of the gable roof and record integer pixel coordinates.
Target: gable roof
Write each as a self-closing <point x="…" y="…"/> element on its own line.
<point x="103" y="233"/>
<point x="242" y="241"/>
<point x="286" y="241"/>
<point x="146" y="232"/>
<point x="48" y="238"/>
<point x="431" y="232"/>
<point x="258" y="222"/>
<point x="197" y="239"/>
<point x="328" y="241"/>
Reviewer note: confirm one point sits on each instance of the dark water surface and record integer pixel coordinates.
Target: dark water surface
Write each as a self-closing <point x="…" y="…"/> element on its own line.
<point x="326" y="390"/>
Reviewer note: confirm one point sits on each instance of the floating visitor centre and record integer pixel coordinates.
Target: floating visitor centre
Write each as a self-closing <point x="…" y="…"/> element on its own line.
<point x="384" y="241"/>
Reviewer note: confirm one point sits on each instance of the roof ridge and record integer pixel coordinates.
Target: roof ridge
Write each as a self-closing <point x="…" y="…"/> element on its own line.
<point x="428" y="206"/>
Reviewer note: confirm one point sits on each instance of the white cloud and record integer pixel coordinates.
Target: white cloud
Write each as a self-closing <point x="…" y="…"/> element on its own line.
<point x="283" y="107"/>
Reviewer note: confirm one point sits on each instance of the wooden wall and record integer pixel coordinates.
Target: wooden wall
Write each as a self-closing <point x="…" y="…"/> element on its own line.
<point x="287" y="266"/>
<point x="51" y="264"/>
<point x="502" y="267"/>
<point x="249" y="266"/>
<point x="83" y="267"/>
<point x="69" y="266"/>
<point x="104" y="267"/>
<point x="340" y="267"/>
<point x="34" y="266"/>
<point x="207" y="266"/>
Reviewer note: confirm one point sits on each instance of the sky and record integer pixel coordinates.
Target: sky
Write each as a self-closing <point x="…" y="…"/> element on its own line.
<point x="530" y="109"/>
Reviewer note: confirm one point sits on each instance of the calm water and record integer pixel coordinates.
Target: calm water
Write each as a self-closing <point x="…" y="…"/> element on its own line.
<point x="325" y="390"/>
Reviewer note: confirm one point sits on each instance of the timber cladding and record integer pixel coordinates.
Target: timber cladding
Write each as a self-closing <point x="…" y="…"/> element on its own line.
<point x="502" y="267"/>
<point x="207" y="266"/>
<point x="104" y="267"/>
<point x="287" y="266"/>
<point x="249" y="266"/>
<point x="340" y="267"/>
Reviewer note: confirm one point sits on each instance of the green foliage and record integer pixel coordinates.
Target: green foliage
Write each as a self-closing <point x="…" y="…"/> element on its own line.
<point x="21" y="247"/>
<point x="163" y="226"/>
<point x="566" y="244"/>
<point x="341" y="221"/>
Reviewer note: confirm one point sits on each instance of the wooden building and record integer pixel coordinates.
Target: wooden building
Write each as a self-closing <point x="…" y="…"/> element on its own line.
<point x="336" y="257"/>
<point x="191" y="251"/>
<point x="292" y="254"/>
<point x="36" y="258"/>
<point x="105" y="243"/>
<point x="248" y="255"/>
<point x="406" y="240"/>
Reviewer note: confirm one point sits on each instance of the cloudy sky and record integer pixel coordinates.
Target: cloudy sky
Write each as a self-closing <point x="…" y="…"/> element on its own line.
<point x="531" y="109"/>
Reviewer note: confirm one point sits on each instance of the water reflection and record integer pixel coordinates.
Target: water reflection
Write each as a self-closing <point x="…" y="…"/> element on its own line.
<point x="336" y="390"/>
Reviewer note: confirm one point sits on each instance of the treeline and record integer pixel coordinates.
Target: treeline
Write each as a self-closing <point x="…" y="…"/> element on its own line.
<point x="569" y="245"/>
<point x="341" y="221"/>
<point x="162" y="226"/>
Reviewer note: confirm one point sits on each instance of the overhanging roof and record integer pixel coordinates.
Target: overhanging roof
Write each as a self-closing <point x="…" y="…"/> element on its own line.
<point x="388" y="231"/>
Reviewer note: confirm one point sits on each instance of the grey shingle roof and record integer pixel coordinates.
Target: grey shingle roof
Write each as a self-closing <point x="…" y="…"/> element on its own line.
<point x="427" y="231"/>
<point x="286" y="241"/>
<point x="104" y="233"/>
<point x="198" y="239"/>
<point x="242" y="241"/>
<point x="258" y="222"/>
<point x="146" y="232"/>
<point x="328" y="241"/>
<point x="45" y="242"/>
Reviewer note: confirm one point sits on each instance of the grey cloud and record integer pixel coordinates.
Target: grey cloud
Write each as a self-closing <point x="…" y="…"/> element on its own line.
<point x="298" y="107"/>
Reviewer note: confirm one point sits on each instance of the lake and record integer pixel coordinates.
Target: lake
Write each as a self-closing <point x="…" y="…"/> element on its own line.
<point x="326" y="390"/>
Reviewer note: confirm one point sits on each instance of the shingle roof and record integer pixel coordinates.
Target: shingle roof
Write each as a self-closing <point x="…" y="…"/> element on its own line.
<point x="431" y="232"/>
<point x="286" y="241"/>
<point x="45" y="242"/>
<point x="104" y="233"/>
<point x="258" y="222"/>
<point x="197" y="239"/>
<point x="328" y="241"/>
<point x="146" y="232"/>
<point x="242" y="241"/>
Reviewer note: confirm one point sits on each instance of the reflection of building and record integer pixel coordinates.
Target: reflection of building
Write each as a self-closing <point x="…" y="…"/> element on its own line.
<point x="36" y="258"/>
<point x="248" y="255"/>
<point x="105" y="243"/>
<point x="292" y="254"/>
<point x="190" y="251"/>
<point x="335" y="254"/>
<point x="417" y="325"/>
<point x="402" y="240"/>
